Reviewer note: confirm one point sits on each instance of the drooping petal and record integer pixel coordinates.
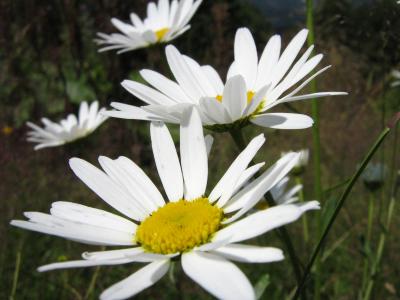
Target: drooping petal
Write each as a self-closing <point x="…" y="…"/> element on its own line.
<point x="137" y="282"/>
<point x="216" y="275"/>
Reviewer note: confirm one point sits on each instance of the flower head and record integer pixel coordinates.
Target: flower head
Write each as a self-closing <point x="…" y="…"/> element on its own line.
<point x="165" y="21"/>
<point x="253" y="86"/>
<point x="69" y="129"/>
<point x="204" y="230"/>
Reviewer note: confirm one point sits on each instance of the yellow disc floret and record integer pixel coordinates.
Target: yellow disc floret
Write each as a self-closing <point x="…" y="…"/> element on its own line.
<point x="250" y="95"/>
<point x="179" y="226"/>
<point x="161" y="33"/>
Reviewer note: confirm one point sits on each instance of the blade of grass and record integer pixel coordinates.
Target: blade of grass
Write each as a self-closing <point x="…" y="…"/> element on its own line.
<point x="343" y="198"/>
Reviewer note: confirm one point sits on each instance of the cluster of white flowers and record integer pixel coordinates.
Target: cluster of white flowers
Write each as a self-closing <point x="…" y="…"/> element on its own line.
<point x="204" y="230"/>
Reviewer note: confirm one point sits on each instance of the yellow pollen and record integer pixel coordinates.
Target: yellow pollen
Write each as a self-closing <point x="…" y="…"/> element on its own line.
<point x="179" y="226"/>
<point x="250" y="95"/>
<point x="161" y="33"/>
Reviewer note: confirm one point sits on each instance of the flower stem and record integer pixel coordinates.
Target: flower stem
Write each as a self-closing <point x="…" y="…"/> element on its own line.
<point x="367" y="243"/>
<point x="237" y="136"/>
<point x="342" y="200"/>
<point x="316" y="148"/>
<point x="382" y="238"/>
<point x="92" y="283"/>
<point x="301" y="199"/>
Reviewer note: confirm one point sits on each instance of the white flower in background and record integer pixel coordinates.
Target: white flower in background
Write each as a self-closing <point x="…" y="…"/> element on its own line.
<point x="374" y="175"/>
<point x="69" y="129"/>
<point x="253" y="86"/>
<point x="281" y="195"/>
<point x="164" y="22"/>
<point x="304" y="156"/>
<point x="396" y="75"/>
<point x="204" y="231"/>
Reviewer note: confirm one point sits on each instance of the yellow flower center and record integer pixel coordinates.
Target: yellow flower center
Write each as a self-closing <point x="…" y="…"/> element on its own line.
<point x="179" y="226"/>
<point x="250" y="95"/>
<point x="161" y="33"/>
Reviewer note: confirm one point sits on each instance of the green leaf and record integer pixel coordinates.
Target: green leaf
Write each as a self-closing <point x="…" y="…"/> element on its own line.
<point x="261" y="285"/>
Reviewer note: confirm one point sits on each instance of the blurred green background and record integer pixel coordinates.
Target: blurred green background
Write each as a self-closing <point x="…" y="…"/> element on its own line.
<point x="49" y="64"/>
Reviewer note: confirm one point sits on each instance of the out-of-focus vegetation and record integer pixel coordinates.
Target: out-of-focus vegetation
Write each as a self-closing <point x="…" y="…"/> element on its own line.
<point x="49" y="63"/>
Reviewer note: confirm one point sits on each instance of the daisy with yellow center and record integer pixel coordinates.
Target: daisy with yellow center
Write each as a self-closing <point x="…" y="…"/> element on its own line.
<point x="165" y="21"/>
<point x="203" y="231"/>
<point x="253" y="86"/>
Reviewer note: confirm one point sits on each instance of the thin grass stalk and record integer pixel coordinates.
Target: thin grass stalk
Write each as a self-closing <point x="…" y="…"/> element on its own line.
<point x="367" y="242"/>
<point x="238" y="138"/>
<point x="342" y="200"/>
<point x="384" y="233"/>
<point x="316" y="147"/>
<point x="16" y="275"/>
<point x="304" y="218"/>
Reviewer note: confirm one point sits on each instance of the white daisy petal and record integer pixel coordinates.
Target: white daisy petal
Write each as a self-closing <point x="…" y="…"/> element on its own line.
<point x="247" y="175"/>
<point x="214" y="78"/>
<point x="263" y="221"/>
<point x="246" y="59"/>
<point x="146" y="94"/>
<point x="227" y="183"/>
<point x="167" y="161"/>
<point x="193" y="155"/>
<point x="268" y="60"/>
<point x="93" y="216"/>
<point x="253" y="192"/>
<point x="84" y="233"/>
<point x="235" y="97"/>
<point x="283" y="121"/>
<point x="250" y="254"/>
<point x="83" y="264"/>
<point x="138" y="281"/>
<point x="216" y="275"/>
<point x="105" y="188"/>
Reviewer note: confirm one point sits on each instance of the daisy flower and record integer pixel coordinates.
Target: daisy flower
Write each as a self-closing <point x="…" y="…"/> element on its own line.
<point x="203" y="230"/>
<point x="253" y="86"/>
<point x="165" y="21"/>
<point x="69" y="129"/>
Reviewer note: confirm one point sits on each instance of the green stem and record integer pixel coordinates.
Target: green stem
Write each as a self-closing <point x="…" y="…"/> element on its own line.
<point x="367" y="243"/>
<point x="382" y="236"/>
<point x="16" y="275"/>
<point x="316" y="147"/>
<point x="301" y="199"/>
<point x="342" y="200"/>
<point x="92" y="283"/>
<point x="238" y="138"/>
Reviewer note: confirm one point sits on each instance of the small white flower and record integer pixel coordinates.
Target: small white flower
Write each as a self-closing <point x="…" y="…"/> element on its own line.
<point x="282" y="196"/>
<point x="396" y="75"/>
<point x="253" y="86"/>
<point x="164" y="22"/>
<point x="69" y="129"/>
<point x="205" y="231"/>
<point x="304" y="156"/>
